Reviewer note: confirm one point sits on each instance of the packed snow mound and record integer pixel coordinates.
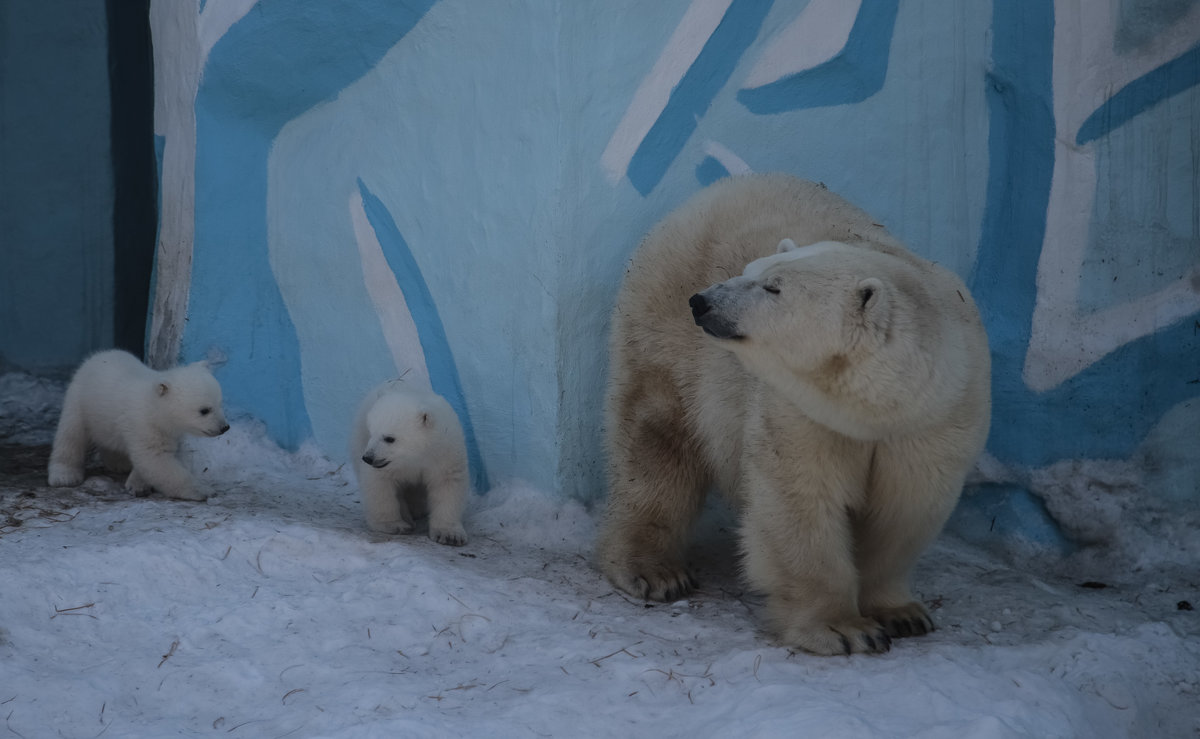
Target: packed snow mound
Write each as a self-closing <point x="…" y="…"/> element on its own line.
<point x="270" y="610"/>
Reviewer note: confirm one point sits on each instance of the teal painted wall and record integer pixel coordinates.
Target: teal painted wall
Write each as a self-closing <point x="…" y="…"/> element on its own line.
<point x="56" y="191"/>
<point x="452" y="190"/>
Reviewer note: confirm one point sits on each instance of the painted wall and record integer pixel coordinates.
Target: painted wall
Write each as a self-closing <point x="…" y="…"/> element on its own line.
<point x="450" y="190"/>
<point x="56" y="184"/>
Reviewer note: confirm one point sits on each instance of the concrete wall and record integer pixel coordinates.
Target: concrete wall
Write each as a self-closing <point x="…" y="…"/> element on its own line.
<point x="450" y="189"/>
<point x="56" y="184"/>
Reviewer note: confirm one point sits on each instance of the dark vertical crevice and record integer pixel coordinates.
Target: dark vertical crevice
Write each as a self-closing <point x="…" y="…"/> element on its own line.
<point x="135" y="177"/>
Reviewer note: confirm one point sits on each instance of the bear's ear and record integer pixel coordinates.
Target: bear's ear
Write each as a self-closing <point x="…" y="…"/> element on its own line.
<point x="871" y="303"/>
<point x="162" y="389"/>
<point x="426" y="419"/>
<point x="786" y="245"/>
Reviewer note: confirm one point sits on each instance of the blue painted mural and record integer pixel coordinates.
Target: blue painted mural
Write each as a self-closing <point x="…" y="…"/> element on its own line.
<point x="1006" y="141"/>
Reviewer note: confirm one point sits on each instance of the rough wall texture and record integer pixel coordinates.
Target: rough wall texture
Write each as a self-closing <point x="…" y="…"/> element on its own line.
<point x="447" y="189"/>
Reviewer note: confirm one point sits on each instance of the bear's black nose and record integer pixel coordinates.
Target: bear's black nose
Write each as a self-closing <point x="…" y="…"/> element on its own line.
<point x="368" y="458"/>
<point x="224" y="427"/>
<point x="699" y="305"/>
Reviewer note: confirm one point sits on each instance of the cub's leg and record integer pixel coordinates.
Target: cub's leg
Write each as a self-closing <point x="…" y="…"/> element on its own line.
<point x="69" y="453"/>
<point x="798" y="544"/>
<point x="385" y="508"/>
<point x="912" y="491"/>
<point x="161" y="471"/>
<point x="446" y="499"/>
<point x="656" y="489"/>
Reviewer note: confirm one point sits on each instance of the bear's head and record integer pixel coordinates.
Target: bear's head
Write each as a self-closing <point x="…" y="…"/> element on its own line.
<point x="848" y="333"/>
<point x="399" y="427"/>
<point x="802" y="308"/>
<point x="189" y="401"/>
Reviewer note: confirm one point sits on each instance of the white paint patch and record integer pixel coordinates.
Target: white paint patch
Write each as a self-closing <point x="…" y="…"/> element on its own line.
<point x="1087" y="71"/>
<point x="732" y="163"/>
<point x="183" y="38"/>
<point x="399" y="329"/>
<point x="699" y="21"/>
<point x="817" y="35"/>
<point x="758" y="266"/>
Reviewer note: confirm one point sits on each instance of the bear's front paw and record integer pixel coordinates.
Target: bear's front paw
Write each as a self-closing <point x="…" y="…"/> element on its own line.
<point x="454" y="535"/>
<point x="659" y="582"/>
<point x="189" y="493"/>
<point x="137" y="485"/>
<point x="851" y="636"/>
<point x="63" y="476"/>
<point x="910" y="619"/>
<point x="397" y="526"/>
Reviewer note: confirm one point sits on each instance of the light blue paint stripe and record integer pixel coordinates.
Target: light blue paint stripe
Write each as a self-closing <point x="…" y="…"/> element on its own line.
<point x="691" y="98"/>
<point x="260" y="75"/>
<point x="443" y="373"/>
<point x="1172" y="78"/>
<point x="1106" y="410"/>
<point x="856" y="73"/>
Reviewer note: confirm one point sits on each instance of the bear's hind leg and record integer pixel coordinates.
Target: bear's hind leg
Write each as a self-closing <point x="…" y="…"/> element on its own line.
<point x="656" y="490"/>
<point x="69" y="453"/>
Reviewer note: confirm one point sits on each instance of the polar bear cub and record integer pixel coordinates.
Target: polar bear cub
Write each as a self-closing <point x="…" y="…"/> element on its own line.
<point x="838" y="392"/>
<point x="410" y="458"/>
<point x="135" y="416"/>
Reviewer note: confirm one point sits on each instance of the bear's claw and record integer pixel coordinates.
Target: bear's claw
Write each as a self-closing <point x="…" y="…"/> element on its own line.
<point x="908" y="620"/>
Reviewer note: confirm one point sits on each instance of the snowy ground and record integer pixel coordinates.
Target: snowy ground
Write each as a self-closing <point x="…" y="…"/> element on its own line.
<point x="269" y="611"/>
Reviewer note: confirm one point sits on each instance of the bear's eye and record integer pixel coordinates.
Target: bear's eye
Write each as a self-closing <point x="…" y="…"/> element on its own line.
<point x="389" y="439"/>
<point x="773" y="289"/>
<point x="205" y="411"/>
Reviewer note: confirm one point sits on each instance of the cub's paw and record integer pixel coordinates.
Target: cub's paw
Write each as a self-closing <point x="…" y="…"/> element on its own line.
<point x="191" y="493"/>
<point x="453" y="535"/>
<point x="851" y="636"/>
<point x="137" y="485"/>
<point x="659" y="582"/>
<point x="63" y="476"/>
<point x="398" y="526"/>
<point x="910" y="619"/>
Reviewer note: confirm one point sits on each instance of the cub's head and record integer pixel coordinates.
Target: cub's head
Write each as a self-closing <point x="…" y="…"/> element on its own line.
<point x="801" y="308"/>
<point x="398" y="426"/>
<point x="190" y="397"/>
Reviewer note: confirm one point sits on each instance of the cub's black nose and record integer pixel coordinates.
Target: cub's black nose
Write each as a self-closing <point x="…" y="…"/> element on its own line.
<point x="224" y="428"/>
<point x="699" y="305"/>
<point x="368" y="458"/>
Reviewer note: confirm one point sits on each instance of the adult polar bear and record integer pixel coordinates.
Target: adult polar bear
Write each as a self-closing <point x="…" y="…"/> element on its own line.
<point x="838" y="393"/>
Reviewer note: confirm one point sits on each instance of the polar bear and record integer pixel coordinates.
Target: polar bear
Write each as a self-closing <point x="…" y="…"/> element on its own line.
<point x="135" y="416"/>
<point x="837" y="392"/>
<point x="410" y="458"/>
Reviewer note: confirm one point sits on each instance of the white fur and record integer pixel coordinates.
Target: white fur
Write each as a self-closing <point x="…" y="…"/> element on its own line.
<point x="135" y="416"/>
<point x="838" y="393"/>
<point x="410" y="458"/>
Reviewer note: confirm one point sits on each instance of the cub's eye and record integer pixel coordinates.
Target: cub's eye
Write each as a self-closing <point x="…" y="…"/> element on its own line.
<point x="389" y="439"/>
<point x="205" y="411"/>
<point x="771" y="289"/>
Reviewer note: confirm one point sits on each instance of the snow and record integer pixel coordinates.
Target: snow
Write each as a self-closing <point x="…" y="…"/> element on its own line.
<point x="270" y="611"/>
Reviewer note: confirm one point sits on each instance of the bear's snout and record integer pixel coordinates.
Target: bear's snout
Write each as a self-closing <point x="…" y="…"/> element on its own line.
<point x="714" y="322"/>
<point x="374" y="461"/>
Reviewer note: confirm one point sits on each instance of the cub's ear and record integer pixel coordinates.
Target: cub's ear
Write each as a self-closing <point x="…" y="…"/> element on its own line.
<point x="427" y="419"/>
<point x="786" y="245"/>
<point x="162" y="389"/>
<point x="871" y="304"/>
